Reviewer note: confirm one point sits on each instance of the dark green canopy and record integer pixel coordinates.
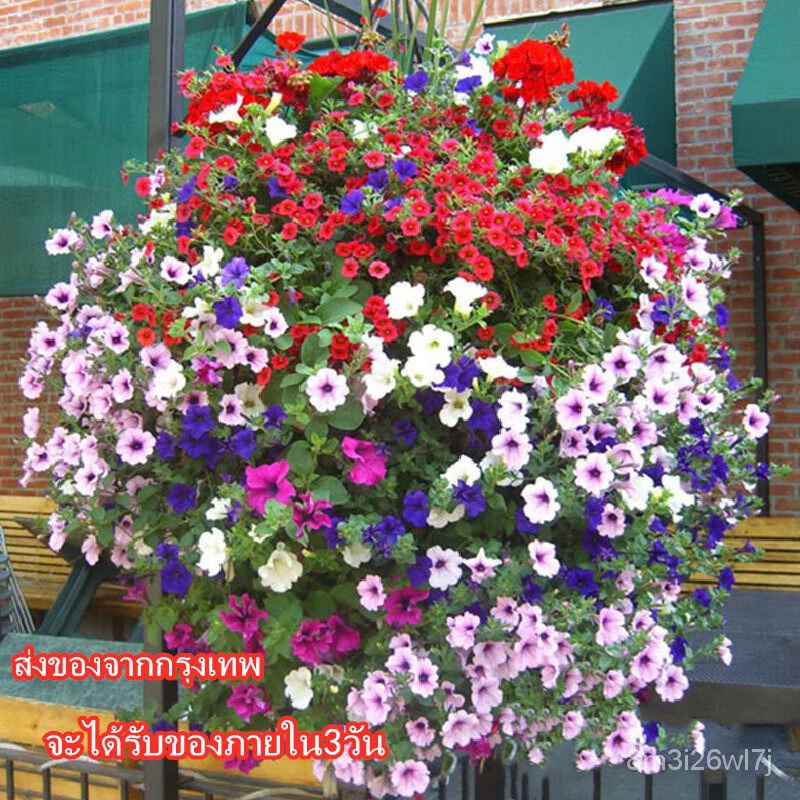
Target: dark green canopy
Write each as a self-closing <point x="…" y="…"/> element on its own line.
<point x="766" y="108"/>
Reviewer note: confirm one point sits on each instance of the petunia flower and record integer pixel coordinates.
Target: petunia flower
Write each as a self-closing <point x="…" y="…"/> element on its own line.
<point x="268" y="482"/>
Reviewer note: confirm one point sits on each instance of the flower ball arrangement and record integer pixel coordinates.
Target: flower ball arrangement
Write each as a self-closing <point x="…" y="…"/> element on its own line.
<point x="394" y="383"/>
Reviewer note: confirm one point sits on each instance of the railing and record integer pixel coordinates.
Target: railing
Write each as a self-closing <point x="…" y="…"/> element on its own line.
<point x="89" y="780"/>
<point x="30" y="775"/>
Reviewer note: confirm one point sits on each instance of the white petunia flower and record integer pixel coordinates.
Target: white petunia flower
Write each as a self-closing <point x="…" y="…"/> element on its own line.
<point x="466" y="293"/>
<point x="382" y="377"/>
<point x="405" y="300"/>
<point x="169" y="381"/>
<point x="228" y="114"/>
<point x="254" y="311"/>
<point x="297" y="686"/>
<point x="219" y="509"/>
<point x="465" y="469"/>
<point x="213" y="551"/>
<point x="279" y="131"/>
<point x="497" y="367"/>
<point x="439" y="518"/>
<point x="249" y="395"/>
<point x="282" y="570"/>
<point x="456" y="407"/>
<point x="432" y="344"/>
<point x="421" y="372"/>
<point x="552" y="155"/>
<point x="355" y="554"/>
<point x="595" y="141"/>
<point x="209" y="264"/>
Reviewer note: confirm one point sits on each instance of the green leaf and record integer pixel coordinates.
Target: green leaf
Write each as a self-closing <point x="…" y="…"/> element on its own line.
<point x="285" y="610"/>
<point x="329" y="488"/>
<point x="610" y="336"/>
<point x="311" y="351"/>
<point x="336" y="309"/>
<point x="316" y="427"/>
<point x="299" y="457"/>
<point x="345" y="594"/>
<point x="348" y="416"/>
<point x="319" y="604"/>
<point x="574" y="302"/>
<point x="321" y="88"/>
<point x="533" y="358"/>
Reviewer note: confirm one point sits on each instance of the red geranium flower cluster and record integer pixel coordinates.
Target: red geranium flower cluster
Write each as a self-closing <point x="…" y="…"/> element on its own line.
<point x="538" y="68"/>
<point x="358" y="65"/>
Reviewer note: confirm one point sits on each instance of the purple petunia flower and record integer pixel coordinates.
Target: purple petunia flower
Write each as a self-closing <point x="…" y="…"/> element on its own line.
<point x="415" y="508"/>
<point x="405" y="432"/>
<point x="420" y="571"/>
<point x="351" y="202"/>
<point x="228" y="312"/>
<point x="469" y="84"/>
<point x="175" y="578"/>
<point x="182" y="497"/>
<point x="235" y="272"/>
<point x="197" y="421"/>
<point x="165" y="445"/>
<point x="378" y="179"/>
<point x="405" y="169"/>
<point x="471" y="497"/>
<point x="417" y="81"/>
<point x="242" y="443"/>
<point x="274" y="417"/>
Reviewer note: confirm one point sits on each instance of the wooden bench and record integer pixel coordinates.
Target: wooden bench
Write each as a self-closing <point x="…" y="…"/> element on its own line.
<point x="45" y="576"/>
<point x="779" y="568"/>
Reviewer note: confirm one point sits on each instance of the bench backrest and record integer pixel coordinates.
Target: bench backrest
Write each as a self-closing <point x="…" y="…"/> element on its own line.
<point x="39" y="570"/>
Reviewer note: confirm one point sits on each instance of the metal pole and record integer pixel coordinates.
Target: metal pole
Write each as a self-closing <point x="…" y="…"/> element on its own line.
<point x="164" y="102"/>
<point x="160" y="777"/>
<point x="760" y="319"/>
<point x="490" y="779"/>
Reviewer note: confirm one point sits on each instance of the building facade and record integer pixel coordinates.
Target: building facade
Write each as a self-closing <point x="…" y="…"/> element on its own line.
<point x="711" y="41"/>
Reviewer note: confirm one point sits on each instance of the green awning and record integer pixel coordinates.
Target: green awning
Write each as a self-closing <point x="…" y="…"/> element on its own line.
<point x="632" y="47"/>
<point x="766" y="108"/>
<point x="72" y="111"/>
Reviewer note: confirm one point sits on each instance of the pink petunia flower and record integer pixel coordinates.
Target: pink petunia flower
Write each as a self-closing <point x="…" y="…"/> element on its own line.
<point x="268" y="482"/>
<point x="370" y="466"/>
<point x="543" y="556"/>
<point x="410" y="778"/>
<point x="370" y="591"/>
<point x="610" y="626"/>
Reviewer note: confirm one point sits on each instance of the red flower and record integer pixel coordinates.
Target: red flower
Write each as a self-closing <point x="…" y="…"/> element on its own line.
<point x="290" y="41"/>
<point x="538" y="66"/>
<point x="145" y="337"/>
<point x="358" y="65"/>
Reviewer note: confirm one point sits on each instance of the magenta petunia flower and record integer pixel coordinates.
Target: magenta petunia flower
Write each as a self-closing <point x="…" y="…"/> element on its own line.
<point x="247" y="700"/>
<point x="268" y="482"/>
<point x="402" y="606"/>
<point x="244" y="617"/>
<point x="310" y="513"/>
<point x="370" y="466"/>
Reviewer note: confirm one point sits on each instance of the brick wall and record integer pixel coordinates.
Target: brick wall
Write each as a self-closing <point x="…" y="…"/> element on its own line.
<point x="712" y="40"/>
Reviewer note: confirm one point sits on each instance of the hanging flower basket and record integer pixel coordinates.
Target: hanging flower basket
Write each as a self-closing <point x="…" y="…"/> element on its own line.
<point x="393" y="383"/>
